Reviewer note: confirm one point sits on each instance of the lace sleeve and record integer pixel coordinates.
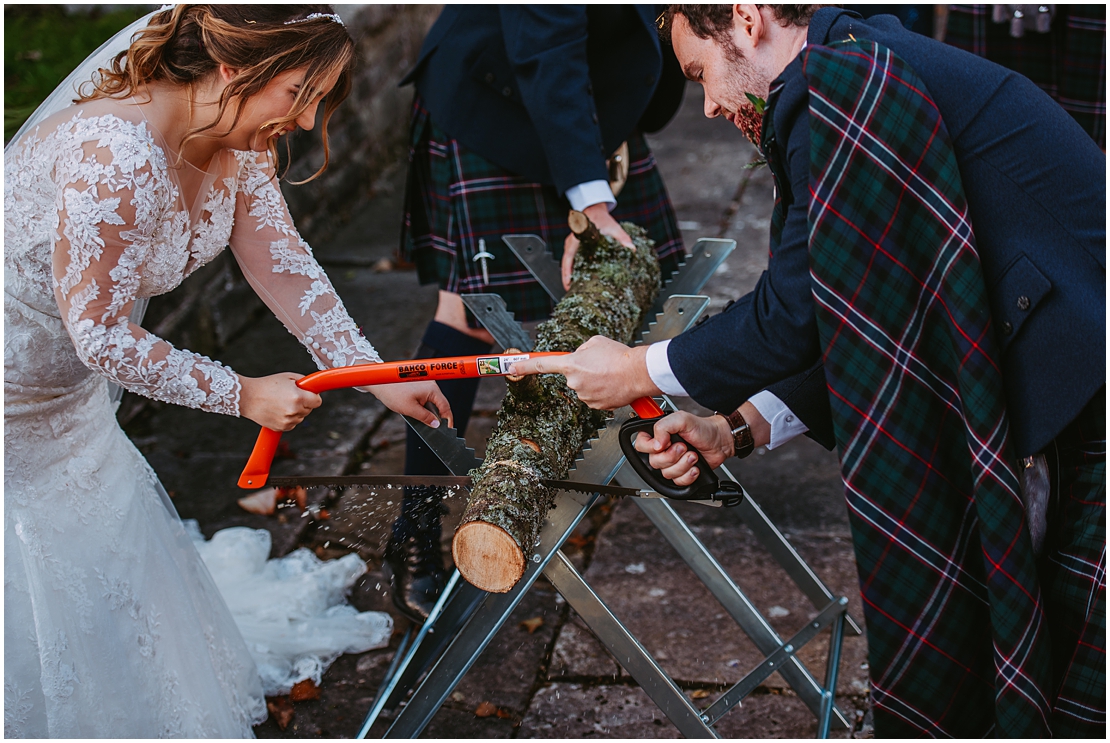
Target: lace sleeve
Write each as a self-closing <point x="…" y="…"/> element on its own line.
<point x="113" y="213"/>
<point x="281" y="268"/>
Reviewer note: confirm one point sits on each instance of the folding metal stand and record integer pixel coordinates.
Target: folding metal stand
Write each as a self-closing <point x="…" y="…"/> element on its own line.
<point x="465" y="619"/>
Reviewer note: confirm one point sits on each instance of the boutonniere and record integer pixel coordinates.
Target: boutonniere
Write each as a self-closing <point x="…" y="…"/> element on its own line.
<point x="750" y="121"/>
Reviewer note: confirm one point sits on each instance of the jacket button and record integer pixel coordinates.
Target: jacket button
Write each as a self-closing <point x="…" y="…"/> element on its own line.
<point x="1023" y="302"/>
<point x="506" y="91"/>
<point x="490" y="78"/>
<point x="1007" y="328"/>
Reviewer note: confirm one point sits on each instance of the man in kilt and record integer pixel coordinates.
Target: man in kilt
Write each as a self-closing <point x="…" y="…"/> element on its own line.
<point x="938" y="251"/>
<point x="1065" y="57"/>
<point x="518" y="114"/>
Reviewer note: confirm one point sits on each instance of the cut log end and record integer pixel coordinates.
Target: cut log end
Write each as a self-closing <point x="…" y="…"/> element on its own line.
<point x="583" y="228"/>
<point x="487" y="556"/>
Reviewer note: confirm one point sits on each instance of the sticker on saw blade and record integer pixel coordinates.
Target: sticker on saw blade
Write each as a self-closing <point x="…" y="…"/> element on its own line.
<point x="498" y="365"/>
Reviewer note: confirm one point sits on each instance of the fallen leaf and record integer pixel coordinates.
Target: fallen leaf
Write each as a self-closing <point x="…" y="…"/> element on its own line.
<point x="400" y="263"/>
<point x="324" y="514"/>
<point x="578" y="540"/>
<point x="503" y="714"/>
<point x="699" y="694"/>
<point x="304" y="691"/>
<point x="263" y="502"/>
<point x="486" y="709"/>
<point x="458" y="697"/>
<point x="383" y="265"/>
<point x="529" y="442"/>
<point x="532" y="624"/>
<point x="281" y="709"/>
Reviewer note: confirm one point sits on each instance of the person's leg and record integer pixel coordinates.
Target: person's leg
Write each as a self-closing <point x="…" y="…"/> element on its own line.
<point x="1073" y="573"/>
<point x="414" y="550"/>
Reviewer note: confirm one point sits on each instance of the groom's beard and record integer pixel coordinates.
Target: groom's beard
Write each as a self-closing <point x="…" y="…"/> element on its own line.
<point x="744" y="77"/>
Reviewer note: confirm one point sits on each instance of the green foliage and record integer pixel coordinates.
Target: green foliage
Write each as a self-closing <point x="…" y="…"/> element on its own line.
<point x="43" y="43"/>
<point x="758" y="103"/>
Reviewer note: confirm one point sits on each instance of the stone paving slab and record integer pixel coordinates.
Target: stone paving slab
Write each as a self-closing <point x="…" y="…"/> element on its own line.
<point x="610" y="711"/>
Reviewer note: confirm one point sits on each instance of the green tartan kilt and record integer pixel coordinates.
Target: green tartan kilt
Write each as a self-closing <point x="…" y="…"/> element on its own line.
<point x="454" y="198"/>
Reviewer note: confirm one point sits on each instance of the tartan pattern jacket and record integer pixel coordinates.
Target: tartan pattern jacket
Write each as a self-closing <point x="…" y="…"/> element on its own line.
<point x="947" y="573"/>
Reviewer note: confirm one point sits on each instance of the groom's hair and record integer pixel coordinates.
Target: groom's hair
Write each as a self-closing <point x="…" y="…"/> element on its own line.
<point x="187" y="43"/>
<point x="715" y="21"/>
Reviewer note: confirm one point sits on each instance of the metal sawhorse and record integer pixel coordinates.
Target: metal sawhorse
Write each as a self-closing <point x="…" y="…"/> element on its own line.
<point x="465" y="619"/>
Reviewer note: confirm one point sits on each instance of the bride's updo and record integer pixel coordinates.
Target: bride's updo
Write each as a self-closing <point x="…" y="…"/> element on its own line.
<point x="186" y="43"/>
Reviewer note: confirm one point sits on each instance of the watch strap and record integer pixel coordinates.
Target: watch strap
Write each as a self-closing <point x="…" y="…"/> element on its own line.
<point x="742" y="440"/>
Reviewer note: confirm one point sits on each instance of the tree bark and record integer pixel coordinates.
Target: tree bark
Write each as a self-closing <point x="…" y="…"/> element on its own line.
<point x="542" y="425"/>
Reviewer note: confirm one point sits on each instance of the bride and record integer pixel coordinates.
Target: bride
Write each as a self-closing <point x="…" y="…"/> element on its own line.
<point x="113" y="627"/>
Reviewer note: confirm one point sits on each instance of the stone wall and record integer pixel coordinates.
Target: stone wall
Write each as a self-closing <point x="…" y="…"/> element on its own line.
<point x="368" y="133"/>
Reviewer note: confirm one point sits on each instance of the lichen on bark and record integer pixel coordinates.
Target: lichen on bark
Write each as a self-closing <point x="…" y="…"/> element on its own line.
<point x="542" y="425"/>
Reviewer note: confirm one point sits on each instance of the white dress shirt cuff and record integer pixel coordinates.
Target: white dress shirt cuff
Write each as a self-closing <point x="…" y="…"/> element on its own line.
<point x="659" y="369"/>
<point x="784" y="424"/>
<point x="590" y="193"/>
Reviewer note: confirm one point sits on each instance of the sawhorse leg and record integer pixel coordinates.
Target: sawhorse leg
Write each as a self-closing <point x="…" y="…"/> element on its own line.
<point x="487" y="617"/>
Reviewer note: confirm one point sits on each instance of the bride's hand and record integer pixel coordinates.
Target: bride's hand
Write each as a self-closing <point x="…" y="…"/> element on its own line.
<point x="409" y="398"/>
<point x="276" y="401"/>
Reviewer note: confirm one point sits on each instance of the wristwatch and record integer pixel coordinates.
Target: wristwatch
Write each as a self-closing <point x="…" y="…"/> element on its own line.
<point x="742" y="440"/>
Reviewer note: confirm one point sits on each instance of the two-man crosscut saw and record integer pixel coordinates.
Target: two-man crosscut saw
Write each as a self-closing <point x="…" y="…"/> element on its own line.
<point x="256" y="474"/>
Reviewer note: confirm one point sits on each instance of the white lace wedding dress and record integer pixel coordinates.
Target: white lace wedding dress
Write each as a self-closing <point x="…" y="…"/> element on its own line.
<point x="113" y="626"/>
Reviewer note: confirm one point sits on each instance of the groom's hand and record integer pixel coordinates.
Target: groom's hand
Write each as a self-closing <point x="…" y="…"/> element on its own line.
<point x="605" y="374"/>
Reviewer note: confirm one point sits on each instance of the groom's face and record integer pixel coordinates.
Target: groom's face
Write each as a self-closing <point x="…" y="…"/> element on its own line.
<point x="725" y="70"/>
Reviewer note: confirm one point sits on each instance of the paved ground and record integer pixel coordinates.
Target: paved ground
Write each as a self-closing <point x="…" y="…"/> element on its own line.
<point x="555" y="681"/>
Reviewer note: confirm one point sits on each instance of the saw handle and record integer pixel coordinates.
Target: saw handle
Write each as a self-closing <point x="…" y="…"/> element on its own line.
<point x="257" y="470"/>
<point x="704" y="488"/>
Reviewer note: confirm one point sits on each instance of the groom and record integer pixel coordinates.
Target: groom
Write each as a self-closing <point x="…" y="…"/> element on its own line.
<point x="948" y="356"/>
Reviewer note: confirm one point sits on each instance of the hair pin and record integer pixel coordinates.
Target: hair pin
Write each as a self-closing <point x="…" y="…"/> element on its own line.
<point x="661" y="20"/>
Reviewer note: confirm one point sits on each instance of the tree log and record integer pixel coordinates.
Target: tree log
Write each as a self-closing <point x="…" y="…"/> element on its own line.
<point x="542" y="425"/>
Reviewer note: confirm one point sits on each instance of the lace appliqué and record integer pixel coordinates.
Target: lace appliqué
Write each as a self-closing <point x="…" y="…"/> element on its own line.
<point x="58" y="677"/>
<point x="135" y="170"/>
<point x="267" y="204"/>
<point x="17" y="709"/>
<point x="338" y="330"/>
<point x="332" y="338"/>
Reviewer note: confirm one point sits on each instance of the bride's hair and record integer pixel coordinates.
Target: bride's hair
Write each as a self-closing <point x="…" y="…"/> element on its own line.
<point x="185" y="43"/>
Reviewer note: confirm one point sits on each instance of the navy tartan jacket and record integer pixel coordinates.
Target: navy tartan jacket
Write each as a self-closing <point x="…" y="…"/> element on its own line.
<point x="1036" y="189"/>
<point x="547" y="92"/>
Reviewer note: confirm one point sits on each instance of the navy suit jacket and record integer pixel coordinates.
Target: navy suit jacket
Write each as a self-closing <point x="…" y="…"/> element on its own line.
<point x="547" y="92"/>
<point x="1036" y="190"/>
